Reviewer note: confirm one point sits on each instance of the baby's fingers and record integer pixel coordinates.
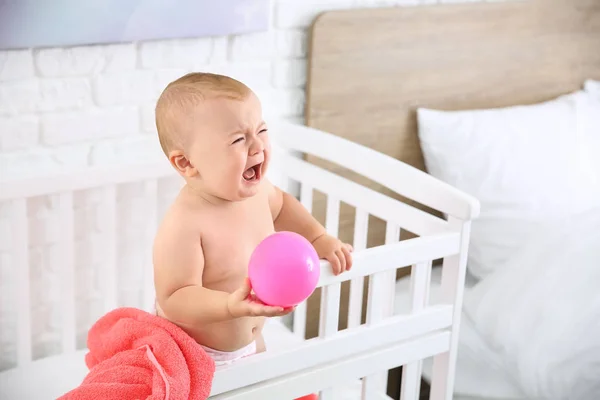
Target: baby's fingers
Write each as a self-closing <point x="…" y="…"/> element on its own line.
<point x="342" y="259"/>
<point x="348" y="257"/>
<point x="335" y="263"/>
<point x="279" y="311"/>
<point x="260" y="310"/>
<point x="286" y="311"/>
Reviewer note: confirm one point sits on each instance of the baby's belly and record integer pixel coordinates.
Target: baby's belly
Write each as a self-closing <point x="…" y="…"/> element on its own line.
<point x="230" y="335"/>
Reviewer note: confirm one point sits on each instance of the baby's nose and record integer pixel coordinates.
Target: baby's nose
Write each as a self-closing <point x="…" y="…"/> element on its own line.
<point x="257" y="147"/>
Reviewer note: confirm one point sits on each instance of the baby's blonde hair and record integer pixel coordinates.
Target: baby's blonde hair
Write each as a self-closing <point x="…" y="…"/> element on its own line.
<point x="186" y="92"/>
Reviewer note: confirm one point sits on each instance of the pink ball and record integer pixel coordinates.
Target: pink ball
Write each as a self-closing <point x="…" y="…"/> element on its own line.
<point x="284" y="269"/>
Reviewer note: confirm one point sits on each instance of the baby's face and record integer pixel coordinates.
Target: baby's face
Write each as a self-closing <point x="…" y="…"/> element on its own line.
<point x="229" y="146"/>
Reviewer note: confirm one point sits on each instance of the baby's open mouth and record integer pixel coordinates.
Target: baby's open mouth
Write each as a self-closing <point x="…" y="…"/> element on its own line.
<point x="252" y="173"/>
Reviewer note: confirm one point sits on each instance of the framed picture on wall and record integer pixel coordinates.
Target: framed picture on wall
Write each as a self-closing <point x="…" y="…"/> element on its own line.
<point x="51" y="23"/>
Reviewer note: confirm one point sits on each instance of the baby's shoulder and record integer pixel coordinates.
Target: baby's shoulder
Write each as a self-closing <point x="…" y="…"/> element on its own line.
<point x="178" y="221"/>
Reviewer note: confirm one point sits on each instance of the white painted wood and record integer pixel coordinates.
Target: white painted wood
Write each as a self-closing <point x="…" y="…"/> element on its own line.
<point x="299" y="321"/>
<point x="67" y="291"/>
<point x="151" y="194"/>
<point x="330" y="303"/>
<point x="330" y="296"/>
<point x="109" y="274"/>
<point x="361" y="226"/>
<point x="306" y="196"/>
<point x="420" y="283"/>
<point x="363" y="339"/>
<point x="375" y="203"/>
<point x="380" y="305"/>
<point x="402" y="254"/>
<point x="299" y="316"/>
<point x="332" y="221"/>
<point x="19" y="225"/>
<point x="377" y="305"/>
<point x="411" y="373"/>
<point x="452" y="287"/>
<point x="392" y="236"/>
<point x="92" y="177"/>
<point x="341" y="371"/>
<point x="377" y="167"/>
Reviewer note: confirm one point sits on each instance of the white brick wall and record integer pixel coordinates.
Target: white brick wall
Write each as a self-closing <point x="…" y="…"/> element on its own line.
<point x="69" y="108"/>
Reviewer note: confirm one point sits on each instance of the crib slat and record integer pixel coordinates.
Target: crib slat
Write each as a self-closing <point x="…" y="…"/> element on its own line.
<point x="420" y="283"/>
<point x="392" y="235"/>
<point x="330" y="296"/>
<point x="19" y="224"/>
<point x="330" y="302"/>
<point x="299" y="316"/>
<point x="109" y="217"/>
<point x="148" y="294"/>
<point x="306" y="196"/>
<point x="379" y="306"/>
<point x="299" y="321"/>
<point x="452" y="290"/>
<point x="361" y="226"/>
<point x="68" y="272"/>
<point x="411" y="373"/>
<point x="376" y="304"/>
<point x="332" y="221"/>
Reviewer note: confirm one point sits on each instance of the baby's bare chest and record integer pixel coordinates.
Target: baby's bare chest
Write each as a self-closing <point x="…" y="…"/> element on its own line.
<point x="228" y="245"/>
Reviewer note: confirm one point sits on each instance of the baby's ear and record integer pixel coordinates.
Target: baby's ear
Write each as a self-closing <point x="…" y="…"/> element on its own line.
<point x="181" y="163"/>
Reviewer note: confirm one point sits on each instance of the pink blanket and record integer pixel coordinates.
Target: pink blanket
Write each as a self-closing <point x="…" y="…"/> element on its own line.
<point x="137" y="355"/>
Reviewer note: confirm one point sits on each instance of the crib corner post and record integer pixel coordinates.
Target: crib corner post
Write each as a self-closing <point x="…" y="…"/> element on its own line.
<point x="453" y="283"/>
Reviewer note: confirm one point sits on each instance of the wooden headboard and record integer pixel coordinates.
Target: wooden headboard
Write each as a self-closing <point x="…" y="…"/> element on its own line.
<point x="369" y="69"/>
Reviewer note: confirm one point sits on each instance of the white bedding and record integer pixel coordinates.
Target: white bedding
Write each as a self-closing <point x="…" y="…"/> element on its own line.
<point x="531" y="330"/>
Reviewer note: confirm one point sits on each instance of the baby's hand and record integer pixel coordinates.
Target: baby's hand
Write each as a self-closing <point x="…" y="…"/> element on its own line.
<point x="333" y="250"/>
<point x="243" y="303"/>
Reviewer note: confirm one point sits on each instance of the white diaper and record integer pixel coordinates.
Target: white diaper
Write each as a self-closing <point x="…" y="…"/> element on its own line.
<point x="228" y="357"/>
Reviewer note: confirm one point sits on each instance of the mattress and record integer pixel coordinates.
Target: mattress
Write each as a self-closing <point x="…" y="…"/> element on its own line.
<point x="479" y="372"/>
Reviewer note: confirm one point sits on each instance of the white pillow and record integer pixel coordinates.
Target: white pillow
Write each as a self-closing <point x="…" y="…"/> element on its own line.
<point x="593" y="87"/>
<point x="526" y="164"/>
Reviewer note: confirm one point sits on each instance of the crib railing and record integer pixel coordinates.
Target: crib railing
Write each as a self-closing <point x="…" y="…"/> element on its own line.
<point x="18" y="193"/>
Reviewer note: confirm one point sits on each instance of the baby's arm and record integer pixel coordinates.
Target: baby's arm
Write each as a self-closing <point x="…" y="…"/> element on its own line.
<point x="290" y="215"/>
<point x="178" y="268"/>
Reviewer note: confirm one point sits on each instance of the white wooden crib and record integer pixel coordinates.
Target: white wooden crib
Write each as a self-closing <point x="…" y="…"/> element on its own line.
<point x="348" y="364"/>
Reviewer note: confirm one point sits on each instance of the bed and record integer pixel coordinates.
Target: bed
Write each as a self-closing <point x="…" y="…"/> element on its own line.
<point x="455" y="90"/>
<point x="340" y="364"/>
